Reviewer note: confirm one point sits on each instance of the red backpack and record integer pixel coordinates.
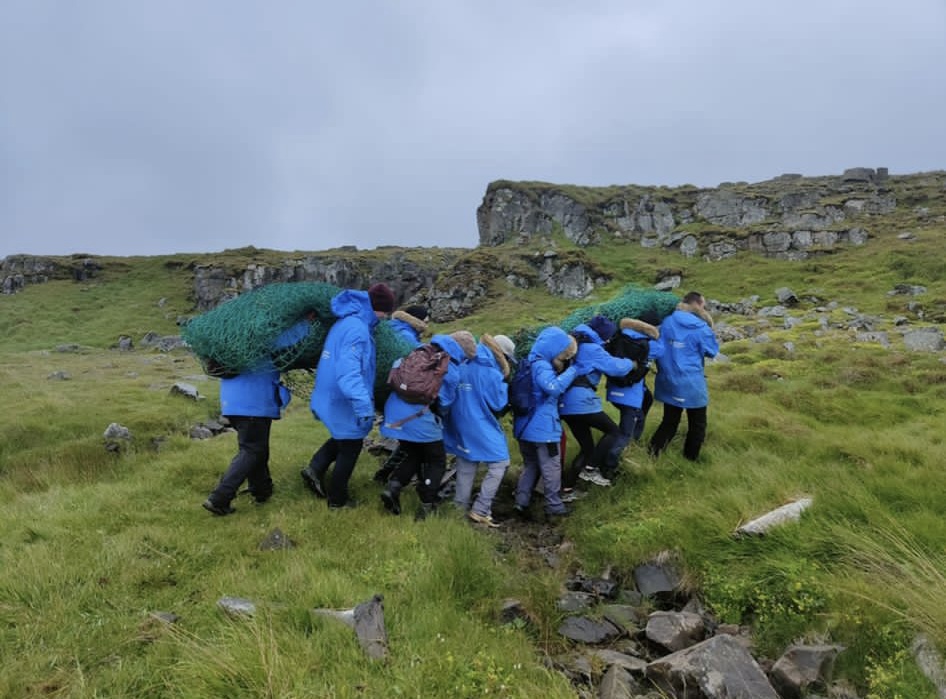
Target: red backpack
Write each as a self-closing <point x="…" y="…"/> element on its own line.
<point x="418" y="376"/>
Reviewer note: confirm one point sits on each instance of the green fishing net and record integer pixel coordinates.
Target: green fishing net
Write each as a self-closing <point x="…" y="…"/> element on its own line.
<point x="631" y="302"/>
<point x="238" y="334"/>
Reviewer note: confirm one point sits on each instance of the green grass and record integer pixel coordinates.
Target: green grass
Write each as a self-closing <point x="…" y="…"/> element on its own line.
<point x="94" y="542"/>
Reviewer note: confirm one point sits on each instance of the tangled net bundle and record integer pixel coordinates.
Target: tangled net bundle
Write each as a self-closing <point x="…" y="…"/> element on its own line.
<point x="239" y="334"/>
<point x="631" y="302"/>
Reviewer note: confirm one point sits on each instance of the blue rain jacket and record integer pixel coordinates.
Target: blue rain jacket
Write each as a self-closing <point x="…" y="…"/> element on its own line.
<point x="343" y="396"/>
<point x="406" y="331"/>
<point x="258" y="393"/>
<point x="543" y="424"/>
<point x="633" y="396"/>
<point x="580" y="399"/>
<point x="472" y="430"/>
<point x="687" y="340"/>
<point x="427" y="426"/>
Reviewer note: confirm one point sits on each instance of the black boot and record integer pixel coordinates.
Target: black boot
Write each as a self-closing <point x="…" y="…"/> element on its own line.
<point x="391" y="497"/>
<point x="314" y="481"/>
<point x="424" y="511"/>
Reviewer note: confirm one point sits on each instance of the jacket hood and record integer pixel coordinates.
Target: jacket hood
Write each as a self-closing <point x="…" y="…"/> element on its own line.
<point x="450" y="346"/>
<point x="553" y="343"/>
<point x="419" y="325"/>
<point x="352" y="302"/>
<point x="488" y="352"/>
<point x="641" y="327"/>
<point x="587" y="331"/>
<point x="697" y="312"/>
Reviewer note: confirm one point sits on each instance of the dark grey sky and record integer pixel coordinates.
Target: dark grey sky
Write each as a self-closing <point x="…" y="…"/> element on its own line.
<point x="130" y="127"/>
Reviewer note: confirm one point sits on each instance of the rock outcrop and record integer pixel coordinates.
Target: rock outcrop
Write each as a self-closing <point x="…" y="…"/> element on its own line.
<point x="789" y="217"/>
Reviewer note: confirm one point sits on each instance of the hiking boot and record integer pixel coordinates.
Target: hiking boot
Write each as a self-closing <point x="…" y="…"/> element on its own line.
<point x="425" y="510"/>
<point x="482" y="519"/>
<point x="259" y="497"/>
<point x="521" y="512"/>
<point x="219" y="510"/>
<point x="314" y="481"/>
<point x="568" y="495"/>
<point x="556" y="516"/>
<point x="391" y="499"/>
<point x="595" y="477"/>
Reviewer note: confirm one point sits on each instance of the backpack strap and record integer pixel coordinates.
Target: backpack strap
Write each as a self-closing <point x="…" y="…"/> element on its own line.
<point x="400" y="423"/>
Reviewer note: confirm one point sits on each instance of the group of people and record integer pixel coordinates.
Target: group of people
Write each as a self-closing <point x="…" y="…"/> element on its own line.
<point x="465" y="417"/>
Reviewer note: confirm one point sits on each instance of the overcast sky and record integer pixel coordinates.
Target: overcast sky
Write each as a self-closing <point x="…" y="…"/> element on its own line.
<point x="130" y="127"/>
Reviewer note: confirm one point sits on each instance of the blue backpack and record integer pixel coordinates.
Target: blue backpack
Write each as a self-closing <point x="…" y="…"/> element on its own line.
<point x="520" y="389"/>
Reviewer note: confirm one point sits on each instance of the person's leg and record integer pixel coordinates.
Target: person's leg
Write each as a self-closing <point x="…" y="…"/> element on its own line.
<point x="489" y="487"/>
<point x="259" y="480"/>
<point x="348" y="452"/>
<point x="407" y="466"/>
<point x="696" y="432"/>
<point x="252" y="449"/>
<point x="433" y="465"/>
<point x="626" y="430"/>
<point x="313" y="475"/>
<point x="466" y="474"/>
<point x="551" y="470"/>
<point x="645" y="408"/>
<point x="609" y="430"/>
<point x="529" y="475"/>
<point x="581" y="431"/>
<point x="391" y="463"/>
<point x="666" y="429"/>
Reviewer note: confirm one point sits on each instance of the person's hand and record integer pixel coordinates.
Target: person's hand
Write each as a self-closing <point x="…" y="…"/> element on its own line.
<point x="365" y="422"/>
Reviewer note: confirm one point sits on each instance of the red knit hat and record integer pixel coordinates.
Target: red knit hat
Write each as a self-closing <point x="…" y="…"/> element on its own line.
<point x="382" y="298"/>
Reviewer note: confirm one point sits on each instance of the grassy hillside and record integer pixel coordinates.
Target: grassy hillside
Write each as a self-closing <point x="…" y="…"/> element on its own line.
<point x="94" y="542"/>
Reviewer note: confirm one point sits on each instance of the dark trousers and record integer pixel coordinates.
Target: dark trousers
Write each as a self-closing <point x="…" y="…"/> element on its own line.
<point x="345" y="453"/>
<point x="427" y="461"/>
<point x="589" y="453"/>
<point x="696" y="430"/>
<point x="251" y="462"/>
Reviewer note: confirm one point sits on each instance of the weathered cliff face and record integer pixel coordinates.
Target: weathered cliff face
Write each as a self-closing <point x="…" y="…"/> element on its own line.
<point x="452" y="282"/>
<point x="16" y="271"/>
<point x="409" y="276"/>
<point x="790" y="217"/>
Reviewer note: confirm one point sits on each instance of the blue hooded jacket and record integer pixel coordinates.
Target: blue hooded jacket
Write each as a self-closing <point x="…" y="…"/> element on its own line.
<point x="581" y="399"/>
<point x="343" y="396"/>
<point x="400" y="323"/>
<point x="472" y="430"/>
<point x="259" y="393"/>
<point x="426" y="426"/>
<point x="543" y="425"/>
<point x="633" y="396"/>
<point x="686" y="339"/>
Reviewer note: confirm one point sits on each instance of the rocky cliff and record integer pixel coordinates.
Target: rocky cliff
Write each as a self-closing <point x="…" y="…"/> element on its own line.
<point x="789" y="217"/>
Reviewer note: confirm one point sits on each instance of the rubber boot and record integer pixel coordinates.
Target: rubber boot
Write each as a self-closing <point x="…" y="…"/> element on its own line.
<point x="391" y="497"/>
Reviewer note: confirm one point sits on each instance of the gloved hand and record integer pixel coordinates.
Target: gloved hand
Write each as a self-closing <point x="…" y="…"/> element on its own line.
<point x="365" y="422"/>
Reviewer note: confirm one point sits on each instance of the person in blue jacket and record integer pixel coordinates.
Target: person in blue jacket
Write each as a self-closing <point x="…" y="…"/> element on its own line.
<point x="343" y="396"/>
<point x="540" y="430"/>
<point x="688" y="339"/>
<point x="582" y="409"/>
<point x="250" y="402"/>
<point x="409" y="323"/>
<point x="629" y="400"/>
<point x="419" y="430"/>
<point x="473" y="432"/>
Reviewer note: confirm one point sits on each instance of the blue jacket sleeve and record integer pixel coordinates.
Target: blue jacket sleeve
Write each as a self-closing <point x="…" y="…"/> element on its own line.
<point x="353" y="347"/>
<point x="551" y="383"/>
<point x="608" y="364"/>
<point x="495" y="390"/>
